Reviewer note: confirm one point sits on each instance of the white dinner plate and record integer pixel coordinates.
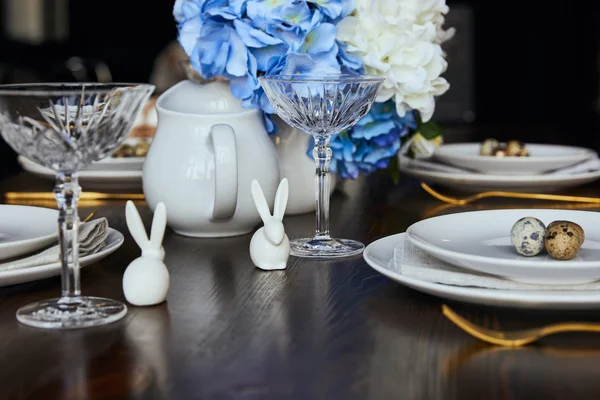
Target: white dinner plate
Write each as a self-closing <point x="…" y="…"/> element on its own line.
<point x="380" y="253"/>
<point x="476" y="182"/>
<point x="543" y="158"/>
<point x="113" y="241"/>
<point x="480" y="241"/>
<point x="24" y="229"/>
<point x="92" y="178"/>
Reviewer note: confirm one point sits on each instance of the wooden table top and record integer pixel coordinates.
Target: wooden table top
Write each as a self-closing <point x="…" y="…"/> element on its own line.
<point x="318" y="330"/>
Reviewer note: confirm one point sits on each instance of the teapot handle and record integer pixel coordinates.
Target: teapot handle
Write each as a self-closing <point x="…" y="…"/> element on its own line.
<point x="226" y="171"/>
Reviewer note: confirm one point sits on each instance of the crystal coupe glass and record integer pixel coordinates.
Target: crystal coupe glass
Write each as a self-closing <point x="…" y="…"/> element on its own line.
<point x="322" y="105"/>
<point x="65" y="127"/>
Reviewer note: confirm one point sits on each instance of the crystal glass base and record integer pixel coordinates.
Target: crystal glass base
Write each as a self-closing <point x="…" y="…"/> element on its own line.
<point x="71" y="313"/>
<point x="325" y="248"/>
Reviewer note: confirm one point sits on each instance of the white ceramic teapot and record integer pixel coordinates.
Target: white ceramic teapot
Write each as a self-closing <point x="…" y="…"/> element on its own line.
<point x="206" y="152"/>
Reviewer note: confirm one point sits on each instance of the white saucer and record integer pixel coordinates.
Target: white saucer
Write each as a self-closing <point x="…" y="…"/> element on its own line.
<point x="476" y="182"/>
<point x="480" y="241"/>
<point x="379" y="255"/>
<point x="92" y="178"/>
<point x="114" y="240"/>
<point x="24" y="229"/>
<point x="543" y="158"/>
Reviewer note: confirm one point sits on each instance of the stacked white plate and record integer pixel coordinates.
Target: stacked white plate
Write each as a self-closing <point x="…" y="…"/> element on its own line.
<point x="28" y="230"/>
<point x="110" y="173"/>
<point x="549" y="168"/>
<point x="477" y="246"/>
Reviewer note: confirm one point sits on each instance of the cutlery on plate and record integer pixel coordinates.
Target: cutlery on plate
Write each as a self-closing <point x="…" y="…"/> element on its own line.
<point x="513" y="195"/>
<point x="83" y="197"/>
<point x="89" y="217"/>
<point x="519" y="337"/>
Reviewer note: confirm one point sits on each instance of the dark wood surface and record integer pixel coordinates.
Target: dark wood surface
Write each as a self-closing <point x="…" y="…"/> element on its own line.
<point x="318" y="330"/>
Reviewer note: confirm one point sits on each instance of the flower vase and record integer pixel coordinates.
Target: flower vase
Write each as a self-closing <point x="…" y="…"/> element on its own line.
<point x="295" y="165"/>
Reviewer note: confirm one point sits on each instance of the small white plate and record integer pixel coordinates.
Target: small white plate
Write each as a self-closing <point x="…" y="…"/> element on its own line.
<point x="114" y="240"/>
<point x="379" y="255"/>
<point x="476" y="182"/>
<point x="92" y="179"/>
<point x="24" y="229"/>
<point x="543" y="158"/>
<point x="480" y="241"/>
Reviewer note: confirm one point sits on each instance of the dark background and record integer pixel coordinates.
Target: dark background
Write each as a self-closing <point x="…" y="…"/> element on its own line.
<point x="518" y="69"/>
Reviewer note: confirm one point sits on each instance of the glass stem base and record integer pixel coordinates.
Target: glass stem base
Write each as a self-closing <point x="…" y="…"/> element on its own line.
<point x="325" y="247"/>
<point x="71" y="312"/>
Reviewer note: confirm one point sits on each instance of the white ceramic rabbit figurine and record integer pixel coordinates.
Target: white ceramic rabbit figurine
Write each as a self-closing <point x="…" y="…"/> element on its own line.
<point x="270" y="246"/>
<point x="146" y="279"/>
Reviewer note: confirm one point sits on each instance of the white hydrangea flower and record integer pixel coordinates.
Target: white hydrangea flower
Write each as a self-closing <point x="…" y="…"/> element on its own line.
<point x="434" y="11"/>
<point x="401" y="40"/>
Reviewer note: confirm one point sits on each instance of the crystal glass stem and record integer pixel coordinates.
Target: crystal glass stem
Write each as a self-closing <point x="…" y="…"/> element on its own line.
<point x="66" y="192"/>
<point x="71" y="310"/>
<point x="322" y="155"/>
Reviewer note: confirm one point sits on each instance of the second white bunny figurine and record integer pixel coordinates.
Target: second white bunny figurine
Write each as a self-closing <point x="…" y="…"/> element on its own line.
<point x="270" y="246"/>
<point x="146" y="279"/>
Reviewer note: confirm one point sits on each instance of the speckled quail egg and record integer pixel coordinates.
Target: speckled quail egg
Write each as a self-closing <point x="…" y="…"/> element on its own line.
<point x="527" y="236"/>
<point x="515" y="148"/>
<point x="569" y="224"/>
<point x="564" y="239"/>
<point x="488" y="147"/>
<point x="500" y="152"/>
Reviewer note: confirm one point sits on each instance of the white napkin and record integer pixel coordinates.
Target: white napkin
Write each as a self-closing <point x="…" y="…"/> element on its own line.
<point x="92" y="236"/>
<point x="430" y="164"/>
<point x="413" y="262"/>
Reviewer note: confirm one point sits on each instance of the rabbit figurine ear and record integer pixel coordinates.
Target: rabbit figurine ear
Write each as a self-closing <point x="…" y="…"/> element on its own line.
<point x="159" y="224"/>
<point x="260" y="201"/>
<point x="135" y="225"/>
<point x="281" y="199"/>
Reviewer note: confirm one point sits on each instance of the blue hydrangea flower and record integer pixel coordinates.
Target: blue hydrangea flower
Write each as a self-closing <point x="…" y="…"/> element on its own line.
<point x="371" y="143"/>
<point x="334" y="9"/>
<point x="243" y="39"/>
<point x="189" y="22"/>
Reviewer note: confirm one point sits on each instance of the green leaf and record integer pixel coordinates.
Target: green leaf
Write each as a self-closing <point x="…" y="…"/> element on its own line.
<point x="418" y="119"/>
<point x="394" y="170"/>
<point x="430" y="130"/>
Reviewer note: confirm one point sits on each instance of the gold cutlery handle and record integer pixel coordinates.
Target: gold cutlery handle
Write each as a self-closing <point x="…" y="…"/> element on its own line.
<point x="540" y="196"/>
<point x="514" y="195"/>
<point x="84" y="196"/>
<point x="519" y="337"/>
<point x="571" y="327"/>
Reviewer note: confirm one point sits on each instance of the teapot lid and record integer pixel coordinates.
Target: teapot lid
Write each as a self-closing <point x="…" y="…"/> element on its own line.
<point x="191" y="97"/>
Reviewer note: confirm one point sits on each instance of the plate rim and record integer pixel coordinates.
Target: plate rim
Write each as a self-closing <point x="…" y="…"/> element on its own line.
<point x="120" y="160"/>
<point x="110" y="248"/>
<point x="585" y="154"/>
<point x="574" y="300"/>
<point x="475" y="177"/>
<point x="467" y="184"/>
<point x="83" y="174"/>
<point x="418" y="241"/>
